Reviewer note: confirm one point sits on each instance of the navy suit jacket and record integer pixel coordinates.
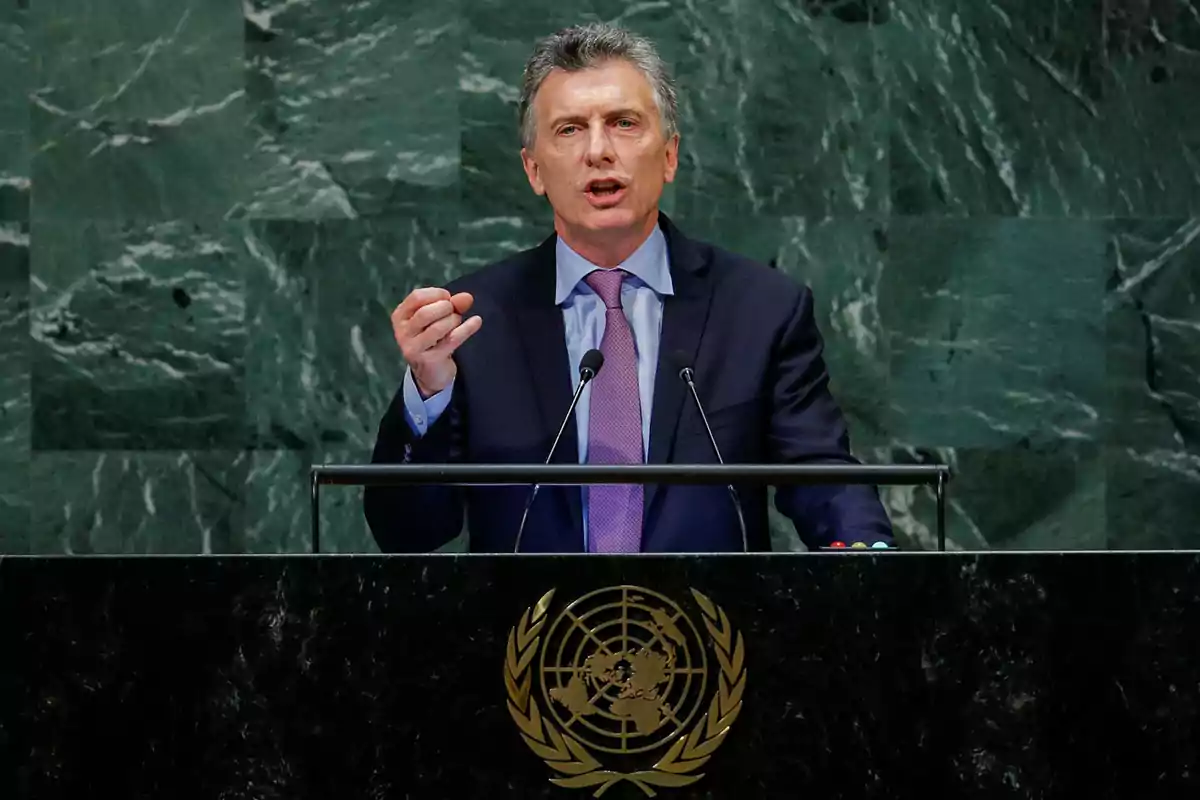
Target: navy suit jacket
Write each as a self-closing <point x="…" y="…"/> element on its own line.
<point x="751" y="338"/>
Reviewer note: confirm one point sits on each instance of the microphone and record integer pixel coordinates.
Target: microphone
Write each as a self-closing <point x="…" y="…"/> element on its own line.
<point x="589" y="367"/>
<point x="686" y="374"/>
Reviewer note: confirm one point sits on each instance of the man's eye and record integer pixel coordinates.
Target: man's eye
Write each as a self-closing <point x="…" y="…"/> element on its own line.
<point x="566" y="129"/>
<point x="625" y="123"/>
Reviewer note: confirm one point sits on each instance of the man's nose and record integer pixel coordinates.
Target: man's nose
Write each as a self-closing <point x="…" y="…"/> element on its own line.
<point x="600" y="149"/>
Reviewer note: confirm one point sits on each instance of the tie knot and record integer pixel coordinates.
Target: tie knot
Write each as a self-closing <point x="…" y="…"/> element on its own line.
<point x="607" y="284"/>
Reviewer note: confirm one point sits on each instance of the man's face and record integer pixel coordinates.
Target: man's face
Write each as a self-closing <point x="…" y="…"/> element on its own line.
<point x="600" y="154"/>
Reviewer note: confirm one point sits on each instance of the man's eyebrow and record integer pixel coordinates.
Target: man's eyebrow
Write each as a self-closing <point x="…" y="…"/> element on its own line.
<point x="554" y="123"/>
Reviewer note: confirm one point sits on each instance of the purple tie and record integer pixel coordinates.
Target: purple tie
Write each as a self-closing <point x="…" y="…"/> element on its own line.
<point x="614" y="426"/>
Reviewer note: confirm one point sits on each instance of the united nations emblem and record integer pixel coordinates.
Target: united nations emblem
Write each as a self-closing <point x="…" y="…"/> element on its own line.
<point x="619" y="687"/>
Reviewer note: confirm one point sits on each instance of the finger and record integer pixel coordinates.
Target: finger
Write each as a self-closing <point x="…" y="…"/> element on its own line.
<point x="417" y="299"/>
<point x="429" y="314"/>
<point x="456" y="337"/>
<point x="428" y="338"/>
<point x="462" y="302"/>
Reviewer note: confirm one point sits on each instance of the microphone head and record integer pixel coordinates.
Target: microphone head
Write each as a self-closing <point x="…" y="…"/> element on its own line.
<point x="682" y="364"/>
<point x="591" y="362"/>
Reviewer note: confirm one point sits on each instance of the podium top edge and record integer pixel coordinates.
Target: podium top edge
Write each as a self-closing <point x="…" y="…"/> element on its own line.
<point x="1001" y="554"/>
<point x="571" y="474"/>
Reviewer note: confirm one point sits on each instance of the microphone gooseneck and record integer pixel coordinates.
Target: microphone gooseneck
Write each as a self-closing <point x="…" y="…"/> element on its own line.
<point x="687" y="375"/>
<point x="589" y="367"/>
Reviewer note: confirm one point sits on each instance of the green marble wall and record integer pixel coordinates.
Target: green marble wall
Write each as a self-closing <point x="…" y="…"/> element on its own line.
<point x="208" y="207"/>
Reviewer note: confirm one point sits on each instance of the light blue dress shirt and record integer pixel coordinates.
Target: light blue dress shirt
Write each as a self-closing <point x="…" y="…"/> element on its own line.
<point x="583" y="317"/>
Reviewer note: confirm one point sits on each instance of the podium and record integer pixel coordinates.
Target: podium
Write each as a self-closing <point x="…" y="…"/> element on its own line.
<point x="537" y="475"/>
<point x="866" y="675"/>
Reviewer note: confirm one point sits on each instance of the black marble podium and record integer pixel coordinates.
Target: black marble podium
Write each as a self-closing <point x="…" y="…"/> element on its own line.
<point x="894" y="675"/>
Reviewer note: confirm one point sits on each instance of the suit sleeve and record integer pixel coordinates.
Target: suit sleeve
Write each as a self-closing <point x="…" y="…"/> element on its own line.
<point x="808" y="427"/>
<point x="421" y="517"/>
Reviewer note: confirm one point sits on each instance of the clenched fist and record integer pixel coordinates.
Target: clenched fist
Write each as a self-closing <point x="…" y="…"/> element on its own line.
<point x="429" y="327"/>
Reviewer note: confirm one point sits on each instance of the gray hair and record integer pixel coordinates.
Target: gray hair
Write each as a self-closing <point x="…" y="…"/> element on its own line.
<point x="584" y="46"/>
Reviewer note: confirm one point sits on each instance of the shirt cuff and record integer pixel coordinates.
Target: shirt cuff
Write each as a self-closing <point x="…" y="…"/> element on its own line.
<point x="421" y="413"/>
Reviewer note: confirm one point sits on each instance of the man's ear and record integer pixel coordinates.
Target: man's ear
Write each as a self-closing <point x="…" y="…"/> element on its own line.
<point x="532" y="172"/>
<point x="672" y="159"/>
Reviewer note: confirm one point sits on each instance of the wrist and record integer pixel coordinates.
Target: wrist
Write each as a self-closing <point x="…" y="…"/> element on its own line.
<point x="423" y="389"/>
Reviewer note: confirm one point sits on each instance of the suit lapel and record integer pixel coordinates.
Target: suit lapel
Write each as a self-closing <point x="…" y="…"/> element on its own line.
<point x="684" y="316"/>
<point x="543" y="338"/>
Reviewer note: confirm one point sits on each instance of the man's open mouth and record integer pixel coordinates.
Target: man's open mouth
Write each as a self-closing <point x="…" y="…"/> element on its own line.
<point x="605" y="187"/>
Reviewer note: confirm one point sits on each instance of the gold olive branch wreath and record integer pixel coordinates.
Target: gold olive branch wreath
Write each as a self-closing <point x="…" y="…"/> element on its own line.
<point x="566" y="755"/>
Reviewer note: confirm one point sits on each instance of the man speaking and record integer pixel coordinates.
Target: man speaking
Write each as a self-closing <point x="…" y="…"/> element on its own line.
<point x="494" y="358"/>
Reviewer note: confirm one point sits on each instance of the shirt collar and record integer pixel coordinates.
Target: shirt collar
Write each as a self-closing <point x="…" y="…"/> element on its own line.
<point x="649" y="264"/>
